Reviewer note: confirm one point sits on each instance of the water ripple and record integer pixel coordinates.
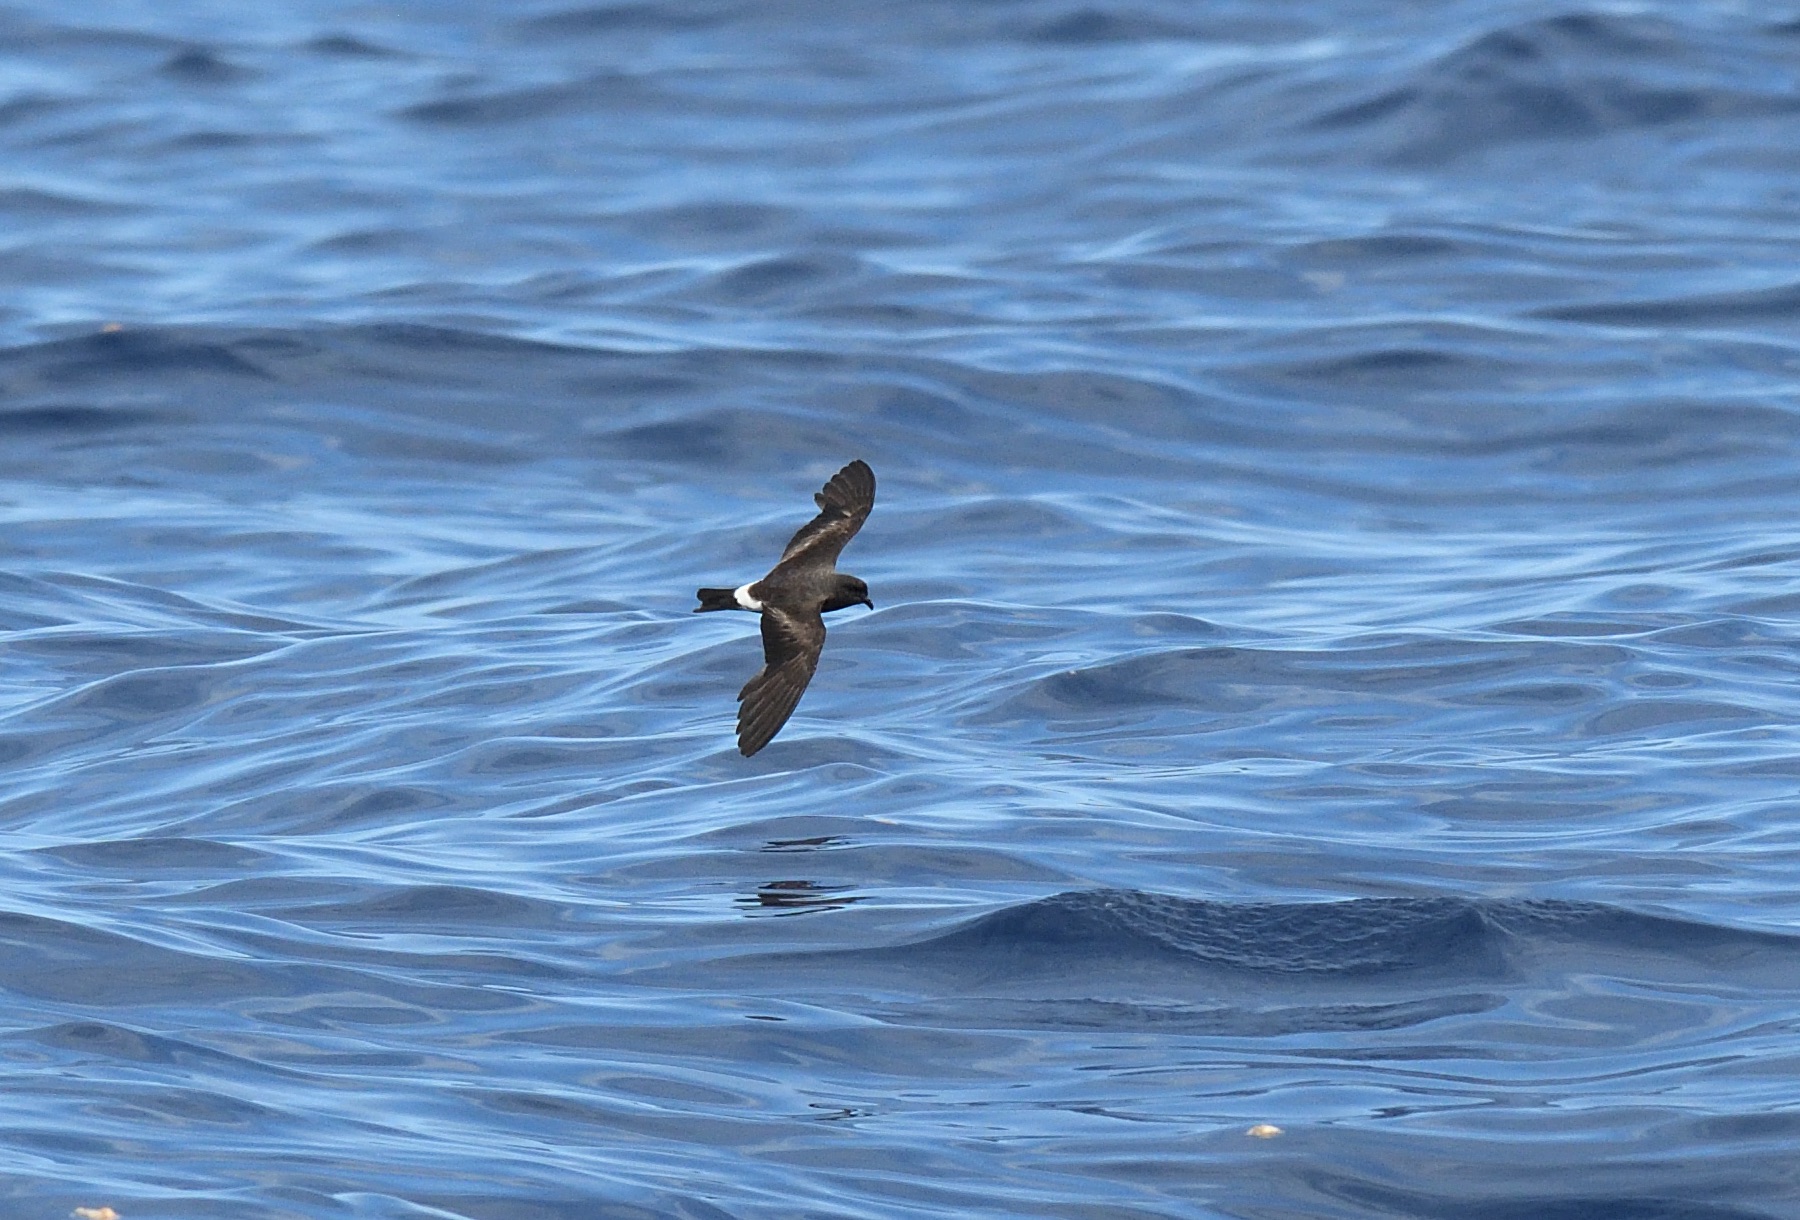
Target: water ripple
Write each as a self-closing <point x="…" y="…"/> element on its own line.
<point x="1334" y="666"/>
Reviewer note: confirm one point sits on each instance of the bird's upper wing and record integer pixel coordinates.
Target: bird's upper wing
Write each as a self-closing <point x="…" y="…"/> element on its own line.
<point x="791" y="644"/>
<point x="844" y="504"/>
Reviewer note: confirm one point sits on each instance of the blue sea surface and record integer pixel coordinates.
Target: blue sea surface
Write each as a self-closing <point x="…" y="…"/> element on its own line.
<point x="1328" y="744"/>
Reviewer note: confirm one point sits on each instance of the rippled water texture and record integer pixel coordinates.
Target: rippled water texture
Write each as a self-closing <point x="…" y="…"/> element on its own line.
<point x="1336" y="656"/>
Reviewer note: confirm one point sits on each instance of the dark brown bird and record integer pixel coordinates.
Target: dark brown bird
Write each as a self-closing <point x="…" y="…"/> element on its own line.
<point x="793" y="599"/>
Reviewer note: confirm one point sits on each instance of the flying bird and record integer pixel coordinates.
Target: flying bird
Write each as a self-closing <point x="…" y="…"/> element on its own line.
<point x="793" y="599"/>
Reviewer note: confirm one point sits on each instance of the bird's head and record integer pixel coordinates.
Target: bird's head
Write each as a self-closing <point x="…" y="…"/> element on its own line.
<point x="850" y="591"/>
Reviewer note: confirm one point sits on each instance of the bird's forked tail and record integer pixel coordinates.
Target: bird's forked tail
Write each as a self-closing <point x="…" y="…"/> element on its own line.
<point x="716" y="599"/>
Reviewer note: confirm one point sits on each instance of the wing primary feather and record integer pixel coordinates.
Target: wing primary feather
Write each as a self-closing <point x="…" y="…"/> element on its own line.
<point x="844" y="504"/>
<point x="767" y="708"/>
<point x="791" y="647"/>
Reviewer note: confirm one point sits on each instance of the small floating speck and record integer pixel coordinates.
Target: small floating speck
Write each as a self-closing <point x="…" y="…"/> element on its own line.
<point x="111" y="328"/>
<point x="95" y="1213"/>
<point x="1264" y="1131"/>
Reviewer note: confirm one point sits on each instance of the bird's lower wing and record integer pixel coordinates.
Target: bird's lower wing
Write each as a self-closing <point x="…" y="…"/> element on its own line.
<point x="791" y="646"/>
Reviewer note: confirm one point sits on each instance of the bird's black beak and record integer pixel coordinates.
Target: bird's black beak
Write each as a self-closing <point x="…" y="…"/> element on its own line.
<point x="868" y="603"/>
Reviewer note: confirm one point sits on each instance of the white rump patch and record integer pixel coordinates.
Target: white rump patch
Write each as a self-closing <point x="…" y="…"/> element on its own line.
<point x="741" y="595"/>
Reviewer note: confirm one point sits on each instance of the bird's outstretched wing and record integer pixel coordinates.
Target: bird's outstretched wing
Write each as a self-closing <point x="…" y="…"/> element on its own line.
<point x="791" y="644"/>
<point x="844" y="504"/>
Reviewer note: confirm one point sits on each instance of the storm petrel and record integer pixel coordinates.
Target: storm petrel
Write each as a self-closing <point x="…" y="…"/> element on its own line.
<point x="792" y="600"/>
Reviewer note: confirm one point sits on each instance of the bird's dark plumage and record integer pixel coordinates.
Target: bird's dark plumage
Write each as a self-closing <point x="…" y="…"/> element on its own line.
<point x="792" y="600"/>
<point x="844" y="505"/>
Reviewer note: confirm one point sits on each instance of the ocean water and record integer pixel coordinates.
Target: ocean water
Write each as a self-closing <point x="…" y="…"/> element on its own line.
<point x="1337" y="656"/>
